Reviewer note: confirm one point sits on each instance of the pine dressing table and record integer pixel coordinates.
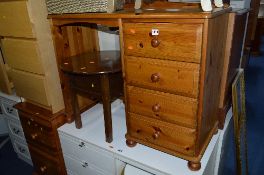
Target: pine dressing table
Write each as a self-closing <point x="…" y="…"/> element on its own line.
<point x="172" y="63"/>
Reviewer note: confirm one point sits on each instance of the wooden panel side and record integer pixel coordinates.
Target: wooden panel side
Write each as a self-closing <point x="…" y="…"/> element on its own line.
<point x="14" y="19"/>
<point x="210" y="78"/>
<point x="229" y="39"/>
<point x="236" y="30"/>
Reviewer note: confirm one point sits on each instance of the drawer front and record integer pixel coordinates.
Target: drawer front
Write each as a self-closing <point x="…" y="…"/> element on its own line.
<point x="22" y="55"/>
<point x="15" y="20"/>
<point x="31" y="86"/>
<point x="15" y="130"/>
<point x="43" y="164"/>
<point x="161" y="134"/>
<point x="9" y="110"/>
<point x="99" y="158"/>
<point x="37" y="133"/>
<point x="182" y="42"/>
<point x="89" y="83"/>
<point x="163" y="106"/>
<point x="79" y="167"/>
<point x="170" y="76"/>
<point x="22" y="149"/>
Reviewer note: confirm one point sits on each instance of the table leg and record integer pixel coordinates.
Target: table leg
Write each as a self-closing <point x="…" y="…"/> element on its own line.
<point x="76" y="109"/>
<point x="105" y="89"/>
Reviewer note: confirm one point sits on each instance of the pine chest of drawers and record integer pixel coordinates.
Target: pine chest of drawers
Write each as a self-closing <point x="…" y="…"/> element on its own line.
<point x="172" y="83"/>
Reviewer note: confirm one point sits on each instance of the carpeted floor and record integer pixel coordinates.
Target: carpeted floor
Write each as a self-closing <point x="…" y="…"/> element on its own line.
<point x="10" y="164"/>
<point x="254" y="79"/>
<point x="255" y="114"/>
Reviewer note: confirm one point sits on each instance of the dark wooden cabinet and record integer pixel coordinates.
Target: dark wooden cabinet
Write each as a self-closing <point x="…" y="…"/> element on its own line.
<point x="40" y="128"/>
<point x="233" y="56"/>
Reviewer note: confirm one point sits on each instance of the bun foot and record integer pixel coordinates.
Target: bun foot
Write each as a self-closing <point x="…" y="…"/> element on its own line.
<point x="194" y="166"/>
<point x="131" y="143"/>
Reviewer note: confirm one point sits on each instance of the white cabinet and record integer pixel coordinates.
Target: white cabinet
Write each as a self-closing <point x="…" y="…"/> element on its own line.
<point x="86" y="152"/>
<point x="14" y="126"/>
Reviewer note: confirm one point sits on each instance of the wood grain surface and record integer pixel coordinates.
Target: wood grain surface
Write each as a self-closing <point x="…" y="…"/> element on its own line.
<point x="180" y="42"/>
<point x="167" y="107"/>
<point x="174" y="77"/>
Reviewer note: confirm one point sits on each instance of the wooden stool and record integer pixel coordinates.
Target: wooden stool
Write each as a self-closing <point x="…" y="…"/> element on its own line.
<point x="98" y="76"/>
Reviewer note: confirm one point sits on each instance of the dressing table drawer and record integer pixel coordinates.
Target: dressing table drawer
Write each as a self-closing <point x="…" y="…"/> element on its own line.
<point x="162" y="106"/>
<point x="161" y="134"/>
<point x="175" y="41"/>
<point x="169" y="76"/>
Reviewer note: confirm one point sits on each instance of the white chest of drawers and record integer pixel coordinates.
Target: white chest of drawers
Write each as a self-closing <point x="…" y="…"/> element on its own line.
<point x="86" y="152"/>
<point x="14" y="126"/>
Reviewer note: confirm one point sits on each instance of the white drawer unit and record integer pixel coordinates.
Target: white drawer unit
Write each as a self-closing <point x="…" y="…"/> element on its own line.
<point x="15" y="129"/>
<point x="78" y="167"/>
<point x="22" y="151"/>
<point x="3" y="124"/>
<point x="9" y="110"/>
<point x="100" y="159"/>
<point x="85" y="151"/>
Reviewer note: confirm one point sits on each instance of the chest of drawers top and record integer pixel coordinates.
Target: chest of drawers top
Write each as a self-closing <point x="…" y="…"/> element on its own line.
<point x="161" y="15"/>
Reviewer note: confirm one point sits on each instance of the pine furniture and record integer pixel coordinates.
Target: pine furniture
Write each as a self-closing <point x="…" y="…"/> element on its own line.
<point x="40" y="128"/>
<point x="172" y="80"/>
<point x="98" y="76"/>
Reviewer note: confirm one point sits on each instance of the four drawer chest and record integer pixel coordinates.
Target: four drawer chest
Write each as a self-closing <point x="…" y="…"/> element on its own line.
<point x="172" y="82"/>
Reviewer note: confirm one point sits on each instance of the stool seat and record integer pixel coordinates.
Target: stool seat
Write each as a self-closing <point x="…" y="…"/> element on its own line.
<point x="98" y="76"/>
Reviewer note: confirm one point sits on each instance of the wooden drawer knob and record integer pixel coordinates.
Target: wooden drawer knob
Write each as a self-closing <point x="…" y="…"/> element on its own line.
<point x="155" y="77"/>
<point x="156" y="108"/>
<point x="34" y="136"/>
<point x="156" y="134"/>
<point x="155" y="42"/>
<point x="43" y="169"/>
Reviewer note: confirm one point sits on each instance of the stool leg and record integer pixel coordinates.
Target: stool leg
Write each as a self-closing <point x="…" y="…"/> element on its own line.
<point x="105" y="89"/>
<point x="76" y="110"/>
